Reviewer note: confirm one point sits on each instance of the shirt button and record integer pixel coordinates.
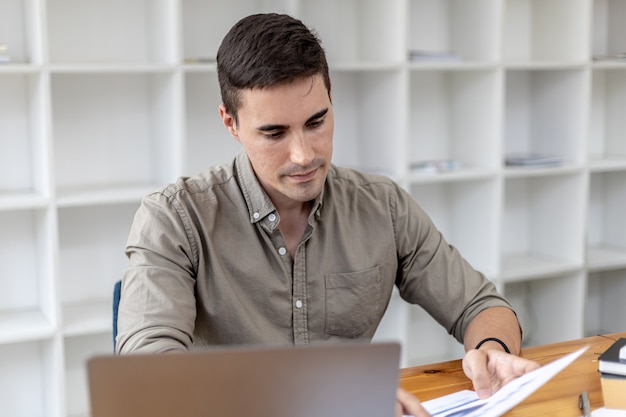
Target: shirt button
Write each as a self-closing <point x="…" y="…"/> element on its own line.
<point x="282" y="251"/>
<point x="272" y="217"/>
<point x="256" y="215"/>
<point x="299" y="304"/>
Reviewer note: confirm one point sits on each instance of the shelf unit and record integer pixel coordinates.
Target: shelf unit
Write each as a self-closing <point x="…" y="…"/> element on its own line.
<point x="104" y="101"/>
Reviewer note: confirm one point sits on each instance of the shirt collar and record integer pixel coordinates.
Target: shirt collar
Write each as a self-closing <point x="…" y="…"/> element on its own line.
<point x="257" y="200"/>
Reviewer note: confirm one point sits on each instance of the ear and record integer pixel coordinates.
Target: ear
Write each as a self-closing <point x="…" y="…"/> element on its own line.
<point x="229" y="122"/>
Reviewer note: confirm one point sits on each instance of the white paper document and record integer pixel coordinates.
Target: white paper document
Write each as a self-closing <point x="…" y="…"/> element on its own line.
<point x="467" y="404"/>
<point x="607" y="412"/>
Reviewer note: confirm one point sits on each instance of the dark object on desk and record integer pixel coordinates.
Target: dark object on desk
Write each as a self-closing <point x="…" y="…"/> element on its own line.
<point x="348" y="380"/>
<point x="583" y="404"/>
<point x="612" y="365"/>
<point x="611" y="362"/>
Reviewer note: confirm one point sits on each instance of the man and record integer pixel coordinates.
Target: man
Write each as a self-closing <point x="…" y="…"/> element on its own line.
<point x="282" y="247"/>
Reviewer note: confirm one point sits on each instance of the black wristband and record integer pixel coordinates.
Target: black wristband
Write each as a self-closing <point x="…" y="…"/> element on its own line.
<point x="493" y="339"/>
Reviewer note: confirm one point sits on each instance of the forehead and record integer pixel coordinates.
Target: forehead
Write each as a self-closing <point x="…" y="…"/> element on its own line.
<point x="282" y="103"/>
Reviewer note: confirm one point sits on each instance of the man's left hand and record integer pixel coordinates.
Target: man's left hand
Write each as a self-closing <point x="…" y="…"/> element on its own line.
<point x="491" y="369"/>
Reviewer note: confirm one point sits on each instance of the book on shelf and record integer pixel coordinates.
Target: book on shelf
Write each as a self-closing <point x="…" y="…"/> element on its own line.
<point x="426" y="55"/>
<point x="531" y="159"/>
<point x="613" y="360"/>
<point x="435" y="166"/>
<point x="621" y="56"/>
<point x="4" y="53"/>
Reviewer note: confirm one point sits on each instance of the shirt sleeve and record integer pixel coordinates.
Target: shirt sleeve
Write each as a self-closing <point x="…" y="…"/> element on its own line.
<point x="157" y="307"/>
<point x="434" y="275"/>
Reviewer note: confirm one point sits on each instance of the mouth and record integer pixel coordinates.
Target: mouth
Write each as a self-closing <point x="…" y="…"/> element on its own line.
<point x="304" y="177"/>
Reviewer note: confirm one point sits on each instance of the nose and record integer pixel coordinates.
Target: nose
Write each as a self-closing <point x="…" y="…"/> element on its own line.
<point x="301" y="149"/>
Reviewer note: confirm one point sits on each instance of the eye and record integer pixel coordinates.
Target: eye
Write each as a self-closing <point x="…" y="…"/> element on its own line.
<point x="274" y="135"/>
<point x="316" y="123"/>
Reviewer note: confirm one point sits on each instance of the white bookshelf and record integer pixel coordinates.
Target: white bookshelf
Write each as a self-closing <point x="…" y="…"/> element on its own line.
<point x="104" y="101"/>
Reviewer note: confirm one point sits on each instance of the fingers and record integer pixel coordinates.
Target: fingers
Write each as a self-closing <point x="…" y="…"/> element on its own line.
<point x="489" y="370"/>
<point x="523" y="366"/>
<point x="476" y="367"/>
<point x="408" y="404"/>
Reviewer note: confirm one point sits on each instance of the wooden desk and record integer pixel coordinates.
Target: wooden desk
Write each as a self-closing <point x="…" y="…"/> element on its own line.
<point x="558" y="397"/>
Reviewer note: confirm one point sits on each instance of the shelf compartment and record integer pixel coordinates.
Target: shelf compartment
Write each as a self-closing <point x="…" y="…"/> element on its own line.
<point x="18" y="201"/>
<point x="606" y="231"/>
<point x="451" y="204"/>
<point x="460" y="174"/>
<point x="607" y="146"/>
<point x="115" y="31"/>
<point x="455" y="31"/>
<point x="23" y="150"/>
<point x="441" y="346"/>
<point x="206" y="22"/>
<point x="29" y="384"/>
<point x="351" y="31"/>
<point x="543" y="171"/>
<point x="539" y="236"/>
<point x="103" y="195"/>
<point x="126" y="123"/>
<point x="22" y="325"/>
<point x="607" y="164"/>
<point x="208" y="142"/>
<point x="529" y="265"/>
<point x="91" y="246"/>
<point x="455" y="116"/>
<point x="88" y="317"/>
<point x="360" y="139"/>
<point x="27" y="307"/>
<point x="546" y="114"/>
<point x="605" y="307"/>
<point x="20" y="31"/>
<point x="609" y="34"/>
<point x="605" y="257"/>
<point x="542" y="319"/>
<point x="545" y="31"/>
<point x="111" y="68"/>
<point x="78" y="350"/>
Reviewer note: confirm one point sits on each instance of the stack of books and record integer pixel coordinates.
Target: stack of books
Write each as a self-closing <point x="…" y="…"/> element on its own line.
<point x="5" y="58"/>
<point x="424" y="55"/>
<point x="531" y="159"/>
<point x="620" y="56"/>
<point x="612" y="367"/>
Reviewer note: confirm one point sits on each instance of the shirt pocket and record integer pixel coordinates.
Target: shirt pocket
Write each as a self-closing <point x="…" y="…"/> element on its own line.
<point x="353" y="301"/>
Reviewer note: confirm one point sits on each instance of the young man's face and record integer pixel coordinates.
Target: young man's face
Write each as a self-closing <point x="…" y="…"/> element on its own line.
<point x="287" y="132"/>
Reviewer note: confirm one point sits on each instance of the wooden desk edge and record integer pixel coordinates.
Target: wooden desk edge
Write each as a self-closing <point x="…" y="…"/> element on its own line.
<point x="558" y="397"/>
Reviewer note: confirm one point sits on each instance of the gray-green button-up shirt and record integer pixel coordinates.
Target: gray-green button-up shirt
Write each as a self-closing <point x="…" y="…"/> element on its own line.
<point x="209" y="266"/>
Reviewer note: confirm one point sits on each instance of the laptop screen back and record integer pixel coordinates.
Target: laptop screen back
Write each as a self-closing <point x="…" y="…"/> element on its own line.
<point x="347" y="380"/>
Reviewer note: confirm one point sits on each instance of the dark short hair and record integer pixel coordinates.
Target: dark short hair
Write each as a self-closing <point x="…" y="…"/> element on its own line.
<point x="265" y="50"/>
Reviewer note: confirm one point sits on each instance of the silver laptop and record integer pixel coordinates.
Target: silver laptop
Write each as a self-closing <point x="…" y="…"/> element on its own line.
<point x="339" y="380"/>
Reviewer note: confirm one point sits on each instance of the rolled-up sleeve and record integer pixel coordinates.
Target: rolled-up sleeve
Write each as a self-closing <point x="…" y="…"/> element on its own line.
<point x="434" y="275"/>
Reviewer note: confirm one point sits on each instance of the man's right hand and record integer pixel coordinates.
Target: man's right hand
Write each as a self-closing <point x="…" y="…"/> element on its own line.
<point x="408" y="405"/>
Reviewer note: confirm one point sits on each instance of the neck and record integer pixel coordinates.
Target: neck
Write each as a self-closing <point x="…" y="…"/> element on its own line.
<point x="293" y="223"/>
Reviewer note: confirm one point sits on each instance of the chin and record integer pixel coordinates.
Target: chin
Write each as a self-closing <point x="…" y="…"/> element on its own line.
<point x="305" y="193"/>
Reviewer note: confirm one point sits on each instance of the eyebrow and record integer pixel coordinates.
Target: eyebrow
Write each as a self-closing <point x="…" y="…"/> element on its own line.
<point x="269" y="128"/>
